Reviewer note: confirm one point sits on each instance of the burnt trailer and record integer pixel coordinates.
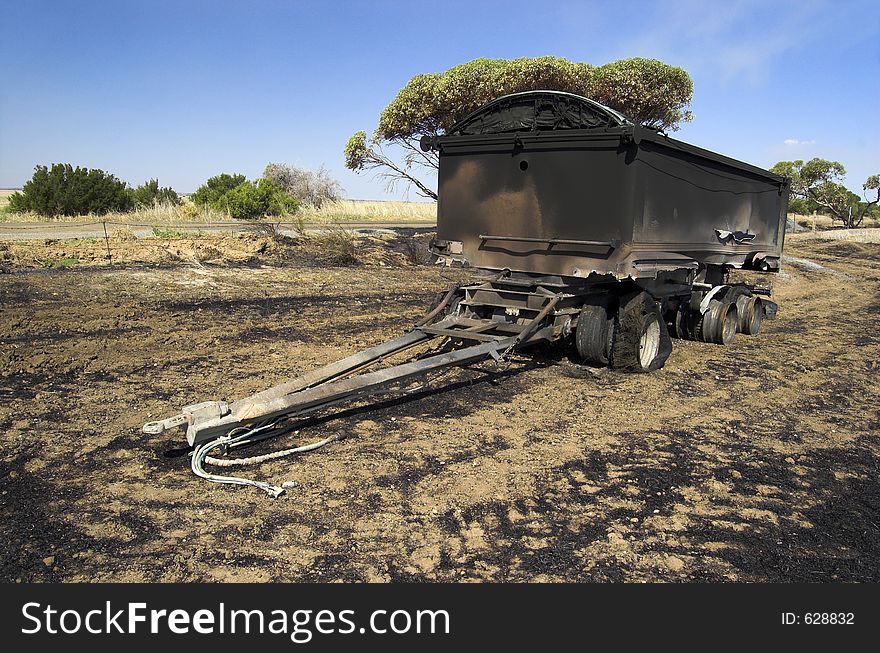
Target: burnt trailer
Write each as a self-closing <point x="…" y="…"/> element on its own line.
<point x="577" y="223"/>
<point x="553" y="190"/>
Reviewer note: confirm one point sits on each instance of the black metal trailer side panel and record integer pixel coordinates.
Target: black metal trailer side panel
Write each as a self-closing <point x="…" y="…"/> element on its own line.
<point x="682" y="199"/>
<point x="587" y="195"/>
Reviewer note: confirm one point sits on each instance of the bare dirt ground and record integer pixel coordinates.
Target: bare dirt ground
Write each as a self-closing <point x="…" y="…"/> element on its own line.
<point x="758" y="461"/>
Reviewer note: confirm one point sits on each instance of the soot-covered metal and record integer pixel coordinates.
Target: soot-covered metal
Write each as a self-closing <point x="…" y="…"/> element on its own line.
<point x="552" y="183"/>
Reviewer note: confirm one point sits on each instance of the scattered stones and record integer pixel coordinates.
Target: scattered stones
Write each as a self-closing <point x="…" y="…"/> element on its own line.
<point x="675" y="564"/>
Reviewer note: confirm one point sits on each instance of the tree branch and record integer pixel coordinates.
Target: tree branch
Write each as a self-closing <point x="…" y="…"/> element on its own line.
<point x="378" y="159"/>
<point x="868" y="204"/>
<point x="429" y="160"/>
<point x="810" y="194"/>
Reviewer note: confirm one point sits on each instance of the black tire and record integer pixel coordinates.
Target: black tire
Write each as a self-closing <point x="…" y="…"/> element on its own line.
<point x="450" y="309"/>
<point x="686" y="322"/>
<point x="732" y="295"/>
<point x="640" y="341"/>
<point x="592" y="337"/>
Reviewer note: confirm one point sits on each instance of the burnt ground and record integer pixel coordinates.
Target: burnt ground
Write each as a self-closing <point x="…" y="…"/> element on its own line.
<point x="756" y="462"/>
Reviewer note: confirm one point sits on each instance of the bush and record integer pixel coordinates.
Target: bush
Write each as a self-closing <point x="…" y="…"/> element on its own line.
<point x="240" y="198"/>
<point x="65" y="190"/>
<point x="415" y="249"/>
<point x="258" y="198"/>
<point x="337" y="246"/>
<point x="311" y="188"/>
<point x="150" y="194"/>
<point x="211" y="192"/>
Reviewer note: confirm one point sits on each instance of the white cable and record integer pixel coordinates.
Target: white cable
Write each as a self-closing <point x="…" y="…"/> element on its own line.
<point x="254" y="460"/>
<point x="238" y="437"/>
<point x="198" y="459"/>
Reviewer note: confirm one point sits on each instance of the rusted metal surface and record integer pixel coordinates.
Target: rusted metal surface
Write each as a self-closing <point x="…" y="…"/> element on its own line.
<point x="612" y="199"/>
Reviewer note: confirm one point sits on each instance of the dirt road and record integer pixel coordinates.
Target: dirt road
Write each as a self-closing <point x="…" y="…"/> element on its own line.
<point x="758" y="461"/>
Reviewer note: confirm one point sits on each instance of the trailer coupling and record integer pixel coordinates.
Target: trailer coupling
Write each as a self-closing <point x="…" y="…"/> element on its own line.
<point x="188" y="416"/>
<point x="220" y="425"/>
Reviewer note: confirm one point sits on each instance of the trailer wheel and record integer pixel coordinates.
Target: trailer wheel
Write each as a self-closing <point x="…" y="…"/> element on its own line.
<point x="641" y="341"/>
<point x="685" y="322"/>
<point x="450" y="309"/>
<point x="719" y="323"/>
<point x="593" y="334"/>
<point x="750" y="312"/>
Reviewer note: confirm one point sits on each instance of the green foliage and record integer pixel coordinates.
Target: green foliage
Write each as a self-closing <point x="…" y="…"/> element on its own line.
<point x="150" y="194"/>
<point x="65" y="262"/>
<point x="817" y="182"/>
<point x="357" y="151"/>
<point x="259" y="198"/>
<point x="648" y="91"/>
<point x="802" y="206"/>
<point x="158" y="232"/>
<point x="215" y="188"/>
<point x="240" y="198"/>
<point x="65" y="190"/>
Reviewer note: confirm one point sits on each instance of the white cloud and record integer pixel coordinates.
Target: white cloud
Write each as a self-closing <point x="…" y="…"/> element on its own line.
<point x="735" y="40"/>
<point x="795" y="141"/>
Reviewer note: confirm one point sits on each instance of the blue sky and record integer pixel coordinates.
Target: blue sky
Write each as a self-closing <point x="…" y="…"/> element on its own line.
<point x="186" y="89"/>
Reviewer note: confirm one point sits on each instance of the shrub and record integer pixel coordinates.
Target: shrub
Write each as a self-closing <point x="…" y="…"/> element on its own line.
<point x="65" y="190"/>
<point x="150" y="194"/>
<point x="240" y="198"/>
<point x="256" y="199"/>
<point x="215" y="188"/>
<point x="415" y="249"/>
<point x="189" y="211"/>
<point x="337" y="245"/>
<point x="308" y="187"/>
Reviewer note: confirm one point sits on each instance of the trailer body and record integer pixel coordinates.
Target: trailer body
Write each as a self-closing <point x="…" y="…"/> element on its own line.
<point x="551" y="183"/>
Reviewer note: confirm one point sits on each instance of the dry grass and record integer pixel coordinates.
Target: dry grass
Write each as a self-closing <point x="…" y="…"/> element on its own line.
<point x="871" y="235"/>
<point x="161" y="215"/>
<point x="370" y="211"/>
<point x="4" y="197"/>
<point x="337" y="211"/>
<point x="820" y="222"/>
